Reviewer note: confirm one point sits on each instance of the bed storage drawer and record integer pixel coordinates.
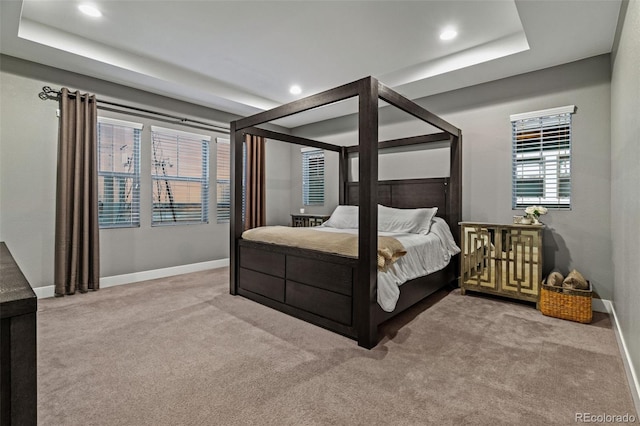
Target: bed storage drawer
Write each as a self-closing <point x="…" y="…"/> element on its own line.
<point x="262" y="284"/>
<point x="328" y="304"/>
<point x="328" y="276"/>
<point x="263" y="261"/>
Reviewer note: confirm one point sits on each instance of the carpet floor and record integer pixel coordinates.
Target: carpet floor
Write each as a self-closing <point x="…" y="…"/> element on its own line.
<point x="182" y="351"/>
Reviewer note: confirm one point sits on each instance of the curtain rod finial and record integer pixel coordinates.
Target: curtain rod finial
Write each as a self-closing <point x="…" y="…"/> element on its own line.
<point x="47" y="93"/>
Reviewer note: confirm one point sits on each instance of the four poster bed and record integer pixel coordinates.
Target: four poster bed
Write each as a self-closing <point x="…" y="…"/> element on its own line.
<point x="339" y="292"/>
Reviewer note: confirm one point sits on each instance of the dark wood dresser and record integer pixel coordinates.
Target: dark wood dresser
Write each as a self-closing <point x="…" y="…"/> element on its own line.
<point x="18" y="305"/>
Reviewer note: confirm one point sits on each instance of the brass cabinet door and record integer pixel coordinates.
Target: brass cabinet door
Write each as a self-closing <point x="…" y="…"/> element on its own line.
<point x="479" y="260"/>
<point x="521" y="263"/>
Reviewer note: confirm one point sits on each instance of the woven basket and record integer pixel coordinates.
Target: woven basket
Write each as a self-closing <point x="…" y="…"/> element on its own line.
<point x="569" y="304"/>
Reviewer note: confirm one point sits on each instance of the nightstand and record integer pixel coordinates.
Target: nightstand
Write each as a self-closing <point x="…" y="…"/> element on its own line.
<point x="505" y="260"/>
<point x="307" y="219"/>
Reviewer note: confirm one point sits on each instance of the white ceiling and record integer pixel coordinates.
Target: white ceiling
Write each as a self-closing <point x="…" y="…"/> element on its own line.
<point x="242" y="56"/>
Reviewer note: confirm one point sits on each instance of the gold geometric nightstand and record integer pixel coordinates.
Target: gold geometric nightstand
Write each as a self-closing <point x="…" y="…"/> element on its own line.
<point x="505" y="260"/>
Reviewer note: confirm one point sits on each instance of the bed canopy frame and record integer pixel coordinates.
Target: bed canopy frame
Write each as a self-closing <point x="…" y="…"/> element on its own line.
<point x="366" y="314"/>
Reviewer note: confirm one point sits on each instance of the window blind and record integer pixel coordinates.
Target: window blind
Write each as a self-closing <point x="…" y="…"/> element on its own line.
<point x="541" y="148"/>
<point x="312" y="177"/>
<point x="223" y="180"/>
<point x="244" y="180"/>
<point x="118" y="173"/>
<point x="180" y="177"/>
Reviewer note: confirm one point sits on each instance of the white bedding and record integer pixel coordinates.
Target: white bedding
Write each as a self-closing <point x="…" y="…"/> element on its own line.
<point x="425" y="254"/>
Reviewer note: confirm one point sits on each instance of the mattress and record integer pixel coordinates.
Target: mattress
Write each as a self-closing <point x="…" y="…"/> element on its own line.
<point x="425" y="254"/>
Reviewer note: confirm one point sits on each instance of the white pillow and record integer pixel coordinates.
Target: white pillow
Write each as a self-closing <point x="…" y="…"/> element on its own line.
<point x="414" y="221"/>
<point x="343" y="217"/>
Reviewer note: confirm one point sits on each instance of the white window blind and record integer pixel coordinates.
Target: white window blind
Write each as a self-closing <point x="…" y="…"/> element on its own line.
<point x="312" y="177"/>
<point x="223" y="180"/>
<point x="179" y="176"/>
<point x="118" y="173"/>
<point x="541" y="147"/>
<point x="244" y="180"/>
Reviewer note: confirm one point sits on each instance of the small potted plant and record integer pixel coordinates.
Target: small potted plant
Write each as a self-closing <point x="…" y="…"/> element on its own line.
<point x="534" y="213"/>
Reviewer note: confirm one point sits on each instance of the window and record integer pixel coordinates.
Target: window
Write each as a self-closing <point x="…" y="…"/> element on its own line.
<point x="223" y="180"/>
<point x="312" y="177"/>
<point x="179" y="176"/>
<point x="118" y="173"/>
<point x="541" y="170"/>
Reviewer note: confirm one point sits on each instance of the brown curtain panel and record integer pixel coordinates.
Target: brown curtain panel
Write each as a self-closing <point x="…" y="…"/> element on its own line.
<point x="255" y="214"/>
<point x="77" y="257"/>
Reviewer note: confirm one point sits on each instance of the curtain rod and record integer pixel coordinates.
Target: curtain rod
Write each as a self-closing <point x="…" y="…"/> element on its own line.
<point x="49" y="93"/>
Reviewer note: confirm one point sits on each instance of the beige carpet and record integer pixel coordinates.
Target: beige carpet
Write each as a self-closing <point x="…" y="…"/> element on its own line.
<point x="182" y="351"/>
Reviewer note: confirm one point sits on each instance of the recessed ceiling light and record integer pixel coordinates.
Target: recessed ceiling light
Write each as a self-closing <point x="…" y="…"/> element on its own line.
<point x="448" y="34"/>
<point x="295" y="89"/>
<point x="90" y="10"/>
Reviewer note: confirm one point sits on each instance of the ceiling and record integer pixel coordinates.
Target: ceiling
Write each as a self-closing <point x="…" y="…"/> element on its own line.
<point x="242" y="56"/>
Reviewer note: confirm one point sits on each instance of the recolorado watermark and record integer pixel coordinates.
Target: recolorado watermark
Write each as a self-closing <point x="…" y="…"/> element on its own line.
<point x="605" y="418"/>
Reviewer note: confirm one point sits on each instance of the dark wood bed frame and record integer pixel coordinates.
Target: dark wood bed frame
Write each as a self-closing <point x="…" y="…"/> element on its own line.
<point x="333" y="291"/>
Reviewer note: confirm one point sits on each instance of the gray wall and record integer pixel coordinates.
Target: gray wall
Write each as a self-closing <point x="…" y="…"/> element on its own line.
<point x="625" y="178"/>
<point x="28" y="151"/>
<point x="579" y="238"/>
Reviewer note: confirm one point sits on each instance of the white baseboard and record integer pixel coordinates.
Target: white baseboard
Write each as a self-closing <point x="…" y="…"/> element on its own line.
<point x="632" y="376"/>
<point x="44" y="292"/>
<point x="48" y="291"/>
<point x="601" y="305"/>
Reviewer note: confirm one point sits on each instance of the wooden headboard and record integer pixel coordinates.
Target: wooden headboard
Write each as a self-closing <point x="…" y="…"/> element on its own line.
<point x="412" y="194"/>
<point x="407" y="194"/>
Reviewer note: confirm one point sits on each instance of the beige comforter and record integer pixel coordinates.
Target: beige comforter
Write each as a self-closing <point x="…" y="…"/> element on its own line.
<point x="389" y="248"/>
